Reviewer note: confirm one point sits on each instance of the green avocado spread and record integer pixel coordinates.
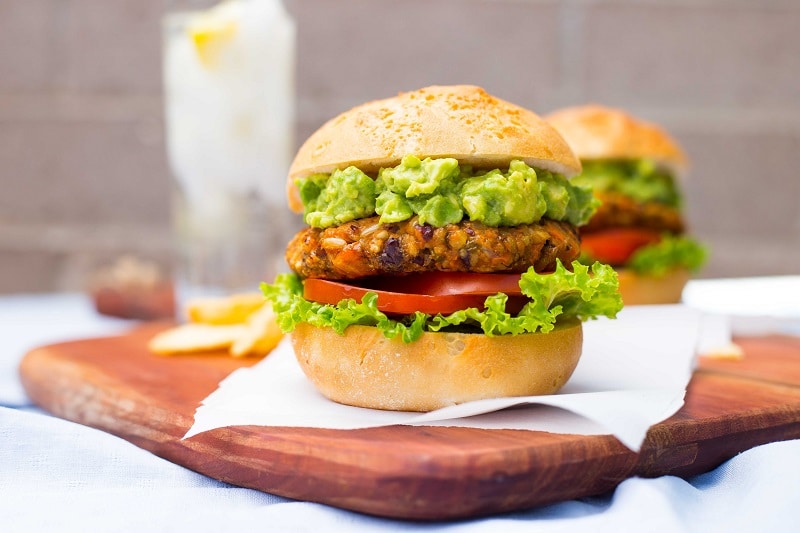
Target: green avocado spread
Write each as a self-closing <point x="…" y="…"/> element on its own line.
<point x="440" y="191"/>
<point x="640" y="179"/>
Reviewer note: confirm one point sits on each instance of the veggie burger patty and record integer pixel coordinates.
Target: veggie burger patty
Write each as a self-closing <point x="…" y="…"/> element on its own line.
<point x="618" y="210"/>
<point x="366" y="247"/>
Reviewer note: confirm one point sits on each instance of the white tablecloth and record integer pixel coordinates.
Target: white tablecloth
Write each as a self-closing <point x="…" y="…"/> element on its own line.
<point x="59" y="476"/>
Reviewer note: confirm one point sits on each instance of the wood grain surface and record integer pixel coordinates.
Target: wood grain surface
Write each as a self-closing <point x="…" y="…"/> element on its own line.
<point x="431" y="473"/>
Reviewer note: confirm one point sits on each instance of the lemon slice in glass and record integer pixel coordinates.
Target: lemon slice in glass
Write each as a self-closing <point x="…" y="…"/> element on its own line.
<point x="211" y="31"/>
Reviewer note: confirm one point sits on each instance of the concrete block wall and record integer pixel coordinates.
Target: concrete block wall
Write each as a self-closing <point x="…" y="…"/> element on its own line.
<point x="83" y="172"/>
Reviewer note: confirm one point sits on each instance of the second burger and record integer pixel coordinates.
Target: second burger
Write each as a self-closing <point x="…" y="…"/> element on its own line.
<point x="634" y="168"/>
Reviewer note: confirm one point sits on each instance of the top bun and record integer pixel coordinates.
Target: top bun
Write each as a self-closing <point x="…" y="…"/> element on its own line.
<point x="598" y="132"/>
<point x="460" y="121"/>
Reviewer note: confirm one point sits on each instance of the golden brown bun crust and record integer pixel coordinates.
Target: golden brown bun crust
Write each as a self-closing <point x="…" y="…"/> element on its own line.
<point x="643" y="290"/>
<point x="598" y="132"/>
<point x="460" y="121"/>
<point x="365" y="369"/>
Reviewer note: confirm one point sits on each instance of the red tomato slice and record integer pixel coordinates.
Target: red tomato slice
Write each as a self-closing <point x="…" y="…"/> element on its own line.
<point x="397" y="296"/>
<point x="445" y="283"/>
<point x="615" y="246"/>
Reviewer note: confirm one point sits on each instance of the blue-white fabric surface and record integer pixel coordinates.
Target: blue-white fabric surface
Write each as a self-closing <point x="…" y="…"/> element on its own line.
<point x="59" y="476"/>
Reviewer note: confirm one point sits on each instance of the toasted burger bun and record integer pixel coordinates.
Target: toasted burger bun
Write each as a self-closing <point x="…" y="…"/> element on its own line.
<point x="598" y="132"/>
<point x="365" y="369"/>
<point x="460" y="121"/>
<point x="644" y="290"/>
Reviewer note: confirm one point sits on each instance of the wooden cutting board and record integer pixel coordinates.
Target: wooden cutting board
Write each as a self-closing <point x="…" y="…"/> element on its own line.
<point x="116" y="385"/>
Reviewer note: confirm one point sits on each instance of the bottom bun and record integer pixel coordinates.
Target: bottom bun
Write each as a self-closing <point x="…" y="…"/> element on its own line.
<point x="365" y="369"/>
<point x="641" y="290"/>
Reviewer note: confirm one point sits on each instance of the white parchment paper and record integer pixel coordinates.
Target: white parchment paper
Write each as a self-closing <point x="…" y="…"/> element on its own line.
<point x="633" y="373"/>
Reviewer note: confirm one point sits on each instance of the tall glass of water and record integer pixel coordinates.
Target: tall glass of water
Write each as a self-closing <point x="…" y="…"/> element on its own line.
<point x="229" y="108"/>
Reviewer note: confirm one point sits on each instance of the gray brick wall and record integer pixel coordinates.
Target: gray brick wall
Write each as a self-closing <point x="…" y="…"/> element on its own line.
<point x="83" y="172"/>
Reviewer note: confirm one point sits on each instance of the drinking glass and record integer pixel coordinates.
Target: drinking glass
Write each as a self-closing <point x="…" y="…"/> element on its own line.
<point x="229" y="110"/>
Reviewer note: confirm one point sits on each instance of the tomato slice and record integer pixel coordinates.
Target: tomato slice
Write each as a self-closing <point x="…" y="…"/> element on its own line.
<point x="445" y="283"/>
<point x="429" y="293"/>
<point x="616" y="245"/>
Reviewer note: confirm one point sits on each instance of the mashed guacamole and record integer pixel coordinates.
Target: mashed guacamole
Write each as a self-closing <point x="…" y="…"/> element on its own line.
<point x="440" y="192"/>
<point x="639" y="179"/>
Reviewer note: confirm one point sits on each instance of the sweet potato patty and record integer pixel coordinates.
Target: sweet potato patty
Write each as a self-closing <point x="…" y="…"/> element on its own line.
<point x="617" y="210"/>
<point x="366" y="247"/>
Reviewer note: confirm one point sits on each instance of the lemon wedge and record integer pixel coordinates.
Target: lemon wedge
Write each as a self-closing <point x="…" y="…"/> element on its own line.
<point x="210" y="32"/>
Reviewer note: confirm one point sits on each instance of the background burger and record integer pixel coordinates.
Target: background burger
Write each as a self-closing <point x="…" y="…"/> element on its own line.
<point x="634" y="168"/>
<point x="433" y="268"/>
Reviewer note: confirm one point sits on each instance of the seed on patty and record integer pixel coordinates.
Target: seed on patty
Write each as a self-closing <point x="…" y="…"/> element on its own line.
<point x="407" y="247"/>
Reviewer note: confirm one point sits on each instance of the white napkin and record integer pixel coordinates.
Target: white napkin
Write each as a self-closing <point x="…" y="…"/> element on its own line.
<point x="632" y="374"/>
<point x="28" y="321"/>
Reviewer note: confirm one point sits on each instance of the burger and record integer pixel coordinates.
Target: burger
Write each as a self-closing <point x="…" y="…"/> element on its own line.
<point x="635" y="169"/>
<point x="439" y="262"/>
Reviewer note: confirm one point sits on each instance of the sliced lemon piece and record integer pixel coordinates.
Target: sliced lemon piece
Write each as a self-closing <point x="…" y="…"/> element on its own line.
<point x="210" y="32"/>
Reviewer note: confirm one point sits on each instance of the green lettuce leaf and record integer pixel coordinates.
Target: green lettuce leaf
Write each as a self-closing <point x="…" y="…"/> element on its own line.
<point x="583" y="294"/>
<point x="671" y="252"/>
